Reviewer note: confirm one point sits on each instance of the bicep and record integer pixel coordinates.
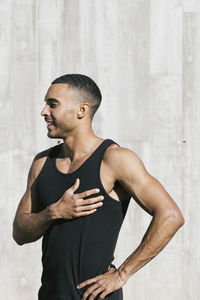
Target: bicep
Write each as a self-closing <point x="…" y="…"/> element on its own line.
<point x="148" y="192"/>
<point x="24" y="205"/>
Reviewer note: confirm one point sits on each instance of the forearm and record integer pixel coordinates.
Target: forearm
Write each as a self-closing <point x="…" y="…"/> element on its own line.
<point x="29" y="227"/>
<point x="159" y="233"/>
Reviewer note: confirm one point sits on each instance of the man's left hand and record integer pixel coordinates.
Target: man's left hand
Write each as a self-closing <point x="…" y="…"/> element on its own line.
<point x="103" y="284"/>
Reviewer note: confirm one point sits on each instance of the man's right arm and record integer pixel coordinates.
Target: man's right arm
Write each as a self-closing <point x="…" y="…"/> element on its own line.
<point x="29" y="227"/>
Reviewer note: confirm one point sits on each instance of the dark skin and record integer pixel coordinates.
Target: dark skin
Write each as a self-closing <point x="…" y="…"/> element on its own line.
<point x="123" y="176"/>
<point x="130" y="172"/>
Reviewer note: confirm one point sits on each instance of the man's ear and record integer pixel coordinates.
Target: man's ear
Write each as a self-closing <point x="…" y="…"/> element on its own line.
<point x="83" y="110"/>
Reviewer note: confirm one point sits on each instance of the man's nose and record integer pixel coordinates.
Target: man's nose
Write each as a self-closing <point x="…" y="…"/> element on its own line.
<point x="45" y="111"/>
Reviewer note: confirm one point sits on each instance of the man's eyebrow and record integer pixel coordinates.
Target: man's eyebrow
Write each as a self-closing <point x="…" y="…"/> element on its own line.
<point x="51" y="100"/>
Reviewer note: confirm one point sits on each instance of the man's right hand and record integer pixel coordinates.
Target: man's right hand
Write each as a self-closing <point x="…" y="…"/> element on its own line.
<point x="72" y="205"/>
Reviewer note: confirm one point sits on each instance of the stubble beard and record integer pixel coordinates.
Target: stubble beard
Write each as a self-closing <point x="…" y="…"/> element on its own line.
<point x="54" y="136"/>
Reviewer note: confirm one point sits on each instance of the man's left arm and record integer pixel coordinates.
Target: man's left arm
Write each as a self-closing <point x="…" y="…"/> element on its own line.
<point x="149" y="193"/>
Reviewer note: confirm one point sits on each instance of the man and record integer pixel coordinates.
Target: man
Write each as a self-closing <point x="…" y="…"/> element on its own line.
<point x="77" y="196"/>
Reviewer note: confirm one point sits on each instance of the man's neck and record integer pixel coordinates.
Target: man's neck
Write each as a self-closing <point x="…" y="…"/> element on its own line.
<point x="76" y="147"/>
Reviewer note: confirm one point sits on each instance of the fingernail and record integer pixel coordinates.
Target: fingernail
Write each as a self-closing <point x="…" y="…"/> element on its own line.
<point x="97" y="190"/>
<point x="77" y="286"/>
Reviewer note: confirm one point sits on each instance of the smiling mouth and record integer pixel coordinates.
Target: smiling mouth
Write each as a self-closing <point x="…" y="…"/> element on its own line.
<point x="50" y="125"/>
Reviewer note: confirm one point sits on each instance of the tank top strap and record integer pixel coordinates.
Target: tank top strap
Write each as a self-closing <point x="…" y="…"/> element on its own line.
<point x="54" y="151"/>
<point x="97" y="156"/>
<point x="103" y="146"/>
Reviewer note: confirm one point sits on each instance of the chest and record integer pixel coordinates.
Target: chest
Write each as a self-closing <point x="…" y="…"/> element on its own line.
<point x="112" y="187"/>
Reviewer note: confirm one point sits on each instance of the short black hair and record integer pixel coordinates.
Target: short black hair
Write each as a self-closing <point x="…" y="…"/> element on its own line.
<point x="84" y="83"/>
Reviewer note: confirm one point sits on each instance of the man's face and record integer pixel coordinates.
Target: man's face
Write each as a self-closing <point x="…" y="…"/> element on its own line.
<point x="60" y="110"/>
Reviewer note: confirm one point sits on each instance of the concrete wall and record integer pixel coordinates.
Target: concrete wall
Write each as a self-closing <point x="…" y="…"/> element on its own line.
<point x="144" y="55"/>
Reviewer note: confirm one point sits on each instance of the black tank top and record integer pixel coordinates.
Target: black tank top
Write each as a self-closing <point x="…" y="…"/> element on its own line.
<point x="82" y="248"/>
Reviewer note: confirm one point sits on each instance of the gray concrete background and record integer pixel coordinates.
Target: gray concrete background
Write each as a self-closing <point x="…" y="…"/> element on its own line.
<point x="144" y="55"/>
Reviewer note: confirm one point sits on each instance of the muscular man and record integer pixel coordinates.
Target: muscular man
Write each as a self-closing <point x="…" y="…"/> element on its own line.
<point x="77" y="196"/>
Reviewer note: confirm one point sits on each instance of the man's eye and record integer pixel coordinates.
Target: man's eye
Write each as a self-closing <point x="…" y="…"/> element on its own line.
<point x="52" y="105"/>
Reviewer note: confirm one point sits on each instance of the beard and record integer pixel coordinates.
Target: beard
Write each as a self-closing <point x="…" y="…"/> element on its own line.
<point x="52" y="135"/>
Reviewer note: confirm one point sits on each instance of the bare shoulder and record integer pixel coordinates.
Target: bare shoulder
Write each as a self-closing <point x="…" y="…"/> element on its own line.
<point x="37" y="165"/>
<point x="117" y="155"/>
<point x="35" y="168"/>
<point x="123" y="161"/>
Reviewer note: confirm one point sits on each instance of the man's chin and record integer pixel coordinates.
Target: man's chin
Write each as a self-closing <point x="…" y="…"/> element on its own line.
<point x="53" y="136"/>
